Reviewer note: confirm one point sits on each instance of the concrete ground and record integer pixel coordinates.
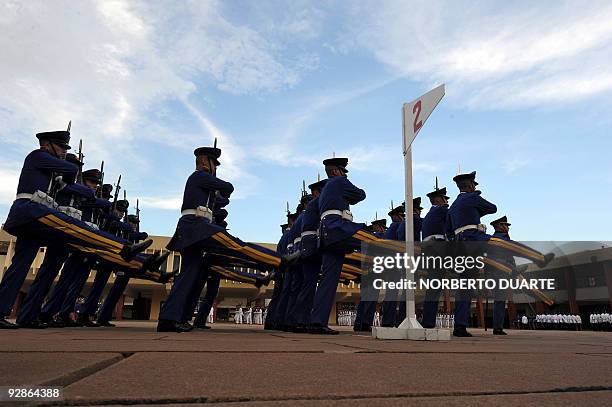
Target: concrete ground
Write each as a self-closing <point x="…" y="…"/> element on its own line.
<point x="246" y="366"/>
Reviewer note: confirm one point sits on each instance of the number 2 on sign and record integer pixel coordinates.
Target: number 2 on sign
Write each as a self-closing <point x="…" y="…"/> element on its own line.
<point x="416" y="109"/>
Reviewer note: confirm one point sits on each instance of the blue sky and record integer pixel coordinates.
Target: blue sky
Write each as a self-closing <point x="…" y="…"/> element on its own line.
<point x="283" y="85"/>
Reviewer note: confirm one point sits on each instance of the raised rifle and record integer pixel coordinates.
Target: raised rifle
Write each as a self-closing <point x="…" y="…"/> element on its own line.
<point x="117" y="189"/>
<point x="138" y="214"/>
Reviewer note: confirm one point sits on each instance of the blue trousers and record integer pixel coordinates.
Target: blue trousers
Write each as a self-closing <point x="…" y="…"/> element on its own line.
<point x="430" y="303"/>
<point x="194" y="296"/>
<point x="311" y="267"/>
<point x="49" y="269"/>
<point x="499" y="314"/>
<point x="75" y="288"/>
<point x="90" y="306"/>
<point x="297" y="281"/>
<point x="76" y="263"/>
<point x="283" y="299"/>
<point x="15" y="275"/>
<point x="272" y="313"/>
<point x="325" y="295"/>
<point x="192" y="265"/>
<point x="106" y="310"/>
<point x="463" y="302"/>
<point x="212" y="289"/>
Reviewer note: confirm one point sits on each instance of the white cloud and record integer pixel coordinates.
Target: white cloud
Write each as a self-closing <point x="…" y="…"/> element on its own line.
<point x="109" y="66"/>
<point x="492" y="55"/>
<point x="8" y="186"/>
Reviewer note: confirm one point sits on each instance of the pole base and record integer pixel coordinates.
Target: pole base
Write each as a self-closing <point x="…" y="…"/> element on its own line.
<point x="412" y="334"/>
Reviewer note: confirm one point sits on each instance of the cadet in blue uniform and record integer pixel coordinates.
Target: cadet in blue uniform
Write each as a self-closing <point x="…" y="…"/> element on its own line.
<point x="282" y="302"/>
<point x="123" y="278"/>
<point x="33" y="218"/>
<point x="434" y="233"/>
<point x="292" y="314"/>
<point x="463" y="222"/>
<point x="310" y="258"/>
<point x="103" y="270"/>
<point x="68" y="198"/>
<point x="502" y="231"/>
<point x="366" y="309"/>
<point x="401" y="235"/>
<point x="339" y="235"/>
<point x="416" y="218"/>
<point x="219" y="216"/>
<point x="281" y="249"/>
<point x="77" y="268"/>
<point x="196" y="234"/>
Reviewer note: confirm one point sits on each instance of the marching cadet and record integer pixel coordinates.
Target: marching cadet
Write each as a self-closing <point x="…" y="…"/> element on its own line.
<point x="77" y="268"/>
<point x="68" y="199"/>
<point x="397" y="216"/>
<point x="196" y="234"/>
<point x="366" y="309"/>
<point x="104" y="270"/>
<point x="401" y="235"/>
<point x="280" y="309"/>
<point x="502" y="231"/>
<point x="416" y="218"/>
<point x="463" y="222"/>
<point x="295" y="271"/>
<point x="122" y="277"/>
<point x="396" y="231"/>
<point x="274" y="305"/>
<point x="310" y="257"/>
<point x="339" y="236"/>
<point x="34" y="219"/>
<point x="434" y="233"/>
<point x="219" y="216"/>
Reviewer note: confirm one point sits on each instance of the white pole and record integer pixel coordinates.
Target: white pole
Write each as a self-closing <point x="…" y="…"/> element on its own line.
<point x="410" y="321"/>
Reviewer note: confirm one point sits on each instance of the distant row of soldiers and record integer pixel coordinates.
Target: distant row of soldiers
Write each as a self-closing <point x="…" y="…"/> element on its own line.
<point x="326" y="242"/>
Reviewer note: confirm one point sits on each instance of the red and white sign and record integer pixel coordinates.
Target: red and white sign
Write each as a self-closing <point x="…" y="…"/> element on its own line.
<point x="416" y="112"/>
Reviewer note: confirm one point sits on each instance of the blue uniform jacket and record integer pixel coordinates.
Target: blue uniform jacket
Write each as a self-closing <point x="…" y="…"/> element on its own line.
<point x="339" y="193"/>
<point x="38" y="169"/>
<point x="295" y="231"/>
<point x="281" y="246"/>
<point x="199" y="190"/>
<point x="311" y="219"/>
<point x="391" y="232"/>
<point x="434" y="223"/>
<point x="401" y="229"/>
<point x="505" y="259"/>
<point x="467" y="209"/>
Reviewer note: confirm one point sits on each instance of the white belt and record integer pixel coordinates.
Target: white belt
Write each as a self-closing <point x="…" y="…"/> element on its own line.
<point x="434" y="237"/>
<point x="346" y="214"/>
<point x="200" y="212"/>
<point x="24" y="196"/>
<point x="70" y="211"/>
<point x="481" y="227"/>
<point x="40" y="198"/>
<point x="309" y="233"/>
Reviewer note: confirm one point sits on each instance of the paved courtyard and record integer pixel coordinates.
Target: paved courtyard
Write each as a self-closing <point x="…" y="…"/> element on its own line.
<point x="246" y="366"/>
